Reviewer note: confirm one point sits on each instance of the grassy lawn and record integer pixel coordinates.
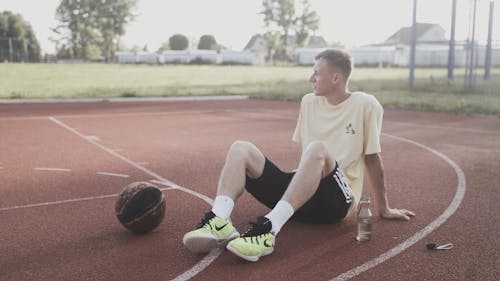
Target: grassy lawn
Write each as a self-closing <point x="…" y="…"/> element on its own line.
<point x="389" y="85"/>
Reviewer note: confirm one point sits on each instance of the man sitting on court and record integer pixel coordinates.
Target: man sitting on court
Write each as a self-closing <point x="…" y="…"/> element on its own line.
<point x="339" y="132"/>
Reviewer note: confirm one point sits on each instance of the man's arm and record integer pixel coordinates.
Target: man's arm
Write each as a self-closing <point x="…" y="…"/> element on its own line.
<point x="375" y="170"/>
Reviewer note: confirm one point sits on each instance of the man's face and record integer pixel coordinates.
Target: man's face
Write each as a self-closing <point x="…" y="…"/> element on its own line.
<point x="324" y="78"/>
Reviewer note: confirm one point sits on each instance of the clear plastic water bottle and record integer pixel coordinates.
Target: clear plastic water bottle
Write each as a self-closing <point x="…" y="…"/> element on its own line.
<point x="365" y="219"/>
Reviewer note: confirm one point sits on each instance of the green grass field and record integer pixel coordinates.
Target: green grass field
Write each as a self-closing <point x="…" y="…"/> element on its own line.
<point x="389" y="85"/>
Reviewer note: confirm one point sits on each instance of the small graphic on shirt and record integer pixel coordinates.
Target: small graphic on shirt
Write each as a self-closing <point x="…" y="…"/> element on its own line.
<point x="349" y="129"/>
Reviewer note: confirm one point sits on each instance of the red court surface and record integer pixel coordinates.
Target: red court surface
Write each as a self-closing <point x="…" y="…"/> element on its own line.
<point x="61" y="166"/>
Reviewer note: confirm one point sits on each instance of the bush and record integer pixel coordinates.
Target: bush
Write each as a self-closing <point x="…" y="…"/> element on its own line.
<point x="178" y="42"/>
<point x="207" y="42"/>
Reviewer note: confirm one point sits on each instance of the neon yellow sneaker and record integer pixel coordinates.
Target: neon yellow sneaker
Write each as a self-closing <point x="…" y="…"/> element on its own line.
<point x="212" y="232"/>
<point x="258" y="241"/>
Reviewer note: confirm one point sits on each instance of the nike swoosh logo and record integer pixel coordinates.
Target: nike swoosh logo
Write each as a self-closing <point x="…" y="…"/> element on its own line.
<point x="218" y="228"/>
<point x="267" y="245"/>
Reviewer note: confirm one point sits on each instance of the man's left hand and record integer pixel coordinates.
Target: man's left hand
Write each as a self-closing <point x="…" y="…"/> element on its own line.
<point x="399" y="214"/>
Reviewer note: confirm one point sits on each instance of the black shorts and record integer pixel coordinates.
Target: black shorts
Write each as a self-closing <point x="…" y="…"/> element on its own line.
<point x="329" y="204"/>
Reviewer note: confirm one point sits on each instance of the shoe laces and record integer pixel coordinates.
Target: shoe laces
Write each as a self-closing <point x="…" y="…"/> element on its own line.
<point x="205" y="219"/>
<point x="258" y="228"/>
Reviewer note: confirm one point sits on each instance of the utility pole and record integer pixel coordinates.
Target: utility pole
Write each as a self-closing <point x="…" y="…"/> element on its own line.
<point x="487" y="62"/>
<point x="451" y="50"/>
<point x="471" y="64"/>
<point x="413" y="42"/>
<point x="10" y="49"/>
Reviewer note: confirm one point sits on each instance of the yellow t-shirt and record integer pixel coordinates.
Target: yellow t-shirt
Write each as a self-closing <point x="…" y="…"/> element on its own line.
<point x="350" y="130"/>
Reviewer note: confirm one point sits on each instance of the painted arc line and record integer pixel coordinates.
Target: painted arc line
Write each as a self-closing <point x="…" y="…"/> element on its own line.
<point x="209" y="258"/>
<point x="187" y="112"/>
<point x="452" y="208"/>
<point x="477" y="131"/>
<point x="51" y="169"/>
<point x="60" y="202"/>
<point x="112" y="174"/>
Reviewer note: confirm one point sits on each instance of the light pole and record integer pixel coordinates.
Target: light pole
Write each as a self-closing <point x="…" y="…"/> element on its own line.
<point x="487" y="62"/>
<point x="451" y="50"/>
<point x="413" y="43"/>
<point x="471" y="64"/>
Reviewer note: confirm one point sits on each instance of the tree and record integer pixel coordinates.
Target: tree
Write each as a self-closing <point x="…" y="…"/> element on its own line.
<point x="305" y="23"/>
<point x="17" y="39"/>
<point x="272" y="42"/>
<point x="207" y="42"/>
<point x="86" y="24"/>
<point x="112" y="18"/>
<point x="164" y="47"/>
<point x="78" y="20"/>
<point x="281" y="18"/>
<point x="178" y="42"/>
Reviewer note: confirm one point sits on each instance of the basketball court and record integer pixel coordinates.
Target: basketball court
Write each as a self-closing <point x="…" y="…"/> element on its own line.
<point x="63" y="164"/>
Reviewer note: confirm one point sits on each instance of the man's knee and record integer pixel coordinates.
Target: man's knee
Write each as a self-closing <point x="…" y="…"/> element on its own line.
<point x="317" y="150"/>
<point x="240" y="149"/>
<point x="247" y="154"/>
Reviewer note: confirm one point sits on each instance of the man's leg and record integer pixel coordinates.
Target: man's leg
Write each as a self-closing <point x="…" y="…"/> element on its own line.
<point x="243" y="159"/>
<point x="316" y="163"/>
<point x="215" y="228"/>
<point x="258" y="241"/>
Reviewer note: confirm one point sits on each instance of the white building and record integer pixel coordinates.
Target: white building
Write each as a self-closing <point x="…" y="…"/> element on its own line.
<point x="136" y="57"/>
<point x="431" y="51"/>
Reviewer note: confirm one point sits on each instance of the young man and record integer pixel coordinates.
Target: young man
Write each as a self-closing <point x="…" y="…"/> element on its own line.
<point x="339" y="132"/>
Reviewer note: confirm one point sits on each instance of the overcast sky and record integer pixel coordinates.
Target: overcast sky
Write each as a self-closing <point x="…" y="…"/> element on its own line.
<point x="233" y="22"/>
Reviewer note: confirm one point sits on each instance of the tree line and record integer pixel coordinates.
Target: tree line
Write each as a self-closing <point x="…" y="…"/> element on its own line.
<point x="91" y="29"/>
<point x="282" y="18"/>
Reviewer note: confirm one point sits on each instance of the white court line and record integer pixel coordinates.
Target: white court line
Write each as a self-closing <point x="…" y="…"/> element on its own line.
<point x="468" y="130"/>
<point x="208" y="259"/>
<point x="112" y="174"/>
<point x="457" y="200"/>
<point x="452" y="208"/>
<point x="366" y="266"/>
<point x="192" y="112"/>
<point x="74" y="200"/>
<point x="51" y="169"/>
<point x="93" y="138"/>
<point x="111" y="115"/>
<point x="362" y="268"/>
<point x="201" y="196"/>
<point x="131" y="99"/>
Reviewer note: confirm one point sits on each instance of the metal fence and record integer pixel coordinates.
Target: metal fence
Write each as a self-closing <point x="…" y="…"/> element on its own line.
<point x="13" y="49"/>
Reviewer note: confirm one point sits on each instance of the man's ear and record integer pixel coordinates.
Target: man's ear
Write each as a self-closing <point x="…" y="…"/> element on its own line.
<point x="336" y="77"/>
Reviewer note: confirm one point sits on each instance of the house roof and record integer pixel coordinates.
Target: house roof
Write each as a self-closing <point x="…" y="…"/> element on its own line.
<point x="252" y="41"/>
<point x="403" y="35"/>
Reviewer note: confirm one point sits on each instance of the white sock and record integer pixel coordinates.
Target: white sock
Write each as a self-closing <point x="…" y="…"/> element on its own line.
<point x="223" y="206"/>
<point x="278" y="216"/>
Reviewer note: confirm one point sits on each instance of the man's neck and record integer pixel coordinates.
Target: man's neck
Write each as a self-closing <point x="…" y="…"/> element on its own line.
<point x="335" y="98"/>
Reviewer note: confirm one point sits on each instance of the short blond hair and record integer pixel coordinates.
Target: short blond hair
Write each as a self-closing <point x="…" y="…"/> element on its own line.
<point x="338" y="59"/>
